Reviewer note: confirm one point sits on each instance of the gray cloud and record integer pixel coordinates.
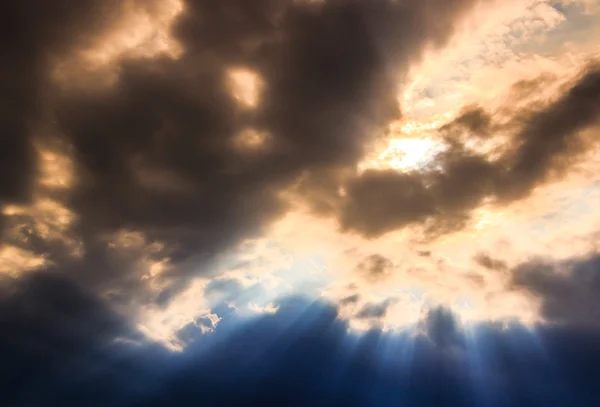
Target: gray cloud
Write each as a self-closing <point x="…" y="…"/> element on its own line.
<point x="381" y="201"/>
<point x="375" y="267"/>
<point x="28" y="41"/>
<point x="474" y="119"/>
<point x="47" y="314"/>
<point x="441" y="327"/>
<point x="569" y="292"/>
<point x="352" y="299"/>
<point x="375" y="310"/>
<point x="487" y="261"/>
<point x="550" y="136"/>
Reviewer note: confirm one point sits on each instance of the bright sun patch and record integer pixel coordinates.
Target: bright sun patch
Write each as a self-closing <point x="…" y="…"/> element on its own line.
<point x="245" y="86"/>
<point x="406" y="155"/>
<point x="411" y="154"/>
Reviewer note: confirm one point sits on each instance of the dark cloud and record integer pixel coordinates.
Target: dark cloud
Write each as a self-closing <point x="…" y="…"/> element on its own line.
<point x="33" y="35"/>
<point x="190" y="333"/>
<point x="548" y="142"/>
<point x="375" y="267"/>
<point x="52" y="328"/>
<point x="352" y="299"/>
<point x="569" y="292"/>
<point x="442" y="328"/>
<point x="527" y="87"/>
<point x="473" y="119"/>
<point x="381" y="201"/>
<point x="485" y="260"/>
<point x="441" y="198"/>
<point x="375" y="310"/>
<point x="48" y="313"/>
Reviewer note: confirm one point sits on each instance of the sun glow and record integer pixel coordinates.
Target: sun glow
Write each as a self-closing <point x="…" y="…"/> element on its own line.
<point x="405" y="155"/>
<point x="245" y="86"/>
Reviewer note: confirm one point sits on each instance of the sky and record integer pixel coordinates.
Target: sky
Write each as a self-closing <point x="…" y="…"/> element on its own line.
<point x="300" y="202"/>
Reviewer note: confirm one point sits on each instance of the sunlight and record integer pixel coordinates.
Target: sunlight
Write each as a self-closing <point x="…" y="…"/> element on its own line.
<point x="245" y="86"/>
<point x="406" y="155"/>
<point x="144" y="32"/>
<point x="411" y="154"/>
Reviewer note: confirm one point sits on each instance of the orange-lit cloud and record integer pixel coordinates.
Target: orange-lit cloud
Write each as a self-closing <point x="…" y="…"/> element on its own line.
<point x="140" y="30"/>
<point x="245" y="86"/>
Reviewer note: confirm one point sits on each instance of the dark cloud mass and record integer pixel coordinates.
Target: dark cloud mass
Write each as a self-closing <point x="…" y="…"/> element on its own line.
<point x="442" y="328"/>
<point x="487" y="261"/>
<point x="474" y="118"/>
<point x="29" y="41"/>
<point x="51" y="328"/>
<point x="375" y="311"/>
<point x="375" y="267"/>
<point x="569" y="292"/>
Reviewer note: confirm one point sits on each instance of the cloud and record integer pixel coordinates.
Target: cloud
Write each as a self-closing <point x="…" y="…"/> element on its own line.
<point x="442" y="328"/>
<point x="351" y="299"/>
<point x="567" y="291"/>
<point x="266" y="309"/>
<point x="375" y="311"/>
<point x="474" y="119"/>
<point x="497" y="42"/>
<point x="47" y="315"/>
<point x="31" y="41"/>
<point x="375" y="267"/>
<point x="485" y="260"/>
<point x="588" y="6"/>
<point x="544" y="145"/>
<point x="552" y="133"/>
<point x="14" y="261"/>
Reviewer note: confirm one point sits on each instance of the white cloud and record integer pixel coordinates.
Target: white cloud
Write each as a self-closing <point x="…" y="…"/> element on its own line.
<point x="265" y="309"/>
